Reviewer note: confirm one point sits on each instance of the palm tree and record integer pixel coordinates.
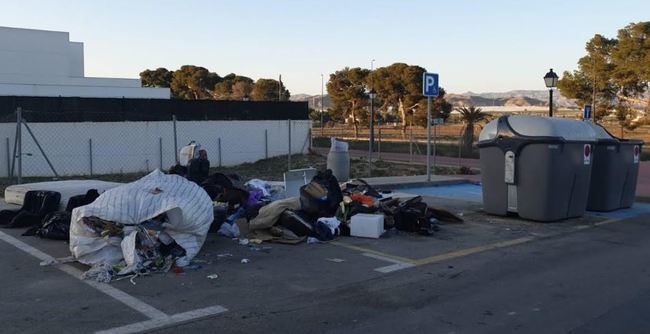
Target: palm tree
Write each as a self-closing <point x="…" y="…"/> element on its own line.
<point x="471" y="116"/>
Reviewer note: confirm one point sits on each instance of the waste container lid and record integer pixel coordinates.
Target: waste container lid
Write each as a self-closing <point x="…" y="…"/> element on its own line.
<point x="599" y="131"/>
<point x="536" y="126"/>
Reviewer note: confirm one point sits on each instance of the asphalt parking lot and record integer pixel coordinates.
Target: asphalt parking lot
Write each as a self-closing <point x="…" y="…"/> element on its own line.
<point x="297" y="287"/>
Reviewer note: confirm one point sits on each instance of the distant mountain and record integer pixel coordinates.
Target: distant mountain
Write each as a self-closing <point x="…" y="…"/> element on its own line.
<point x="513" y="98"/>
<point x="312" y="100"/>
<point x="520" y="98"/>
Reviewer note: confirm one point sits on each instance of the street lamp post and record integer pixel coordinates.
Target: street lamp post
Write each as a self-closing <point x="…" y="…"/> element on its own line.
<point x="371" y="140"/>
<point x="550" y="79"/>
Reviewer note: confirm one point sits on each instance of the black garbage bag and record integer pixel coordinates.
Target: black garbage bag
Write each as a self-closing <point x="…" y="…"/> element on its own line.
<point x="55" y="226"/>
<point x="81" y="200"/>
<point x="298" y="222"/>
<point x="321" y="196"/>
<point x="411" y="216"/>
<point x="360" y="185"/>
<point x="36" y="206"/>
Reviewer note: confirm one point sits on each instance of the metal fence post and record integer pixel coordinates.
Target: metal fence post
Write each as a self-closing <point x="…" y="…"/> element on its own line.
<point x="311" y="143"/>
<point x="90" y="154"/>
<point x="219" y="149"/>
<point x="19" y="141"/>
<point x="160" y="152"/>
<point x="460" y="146"/>
<point x="379" y="144"/>
<point x="8" y="157"/>
<point x="289" y="155"/>
<point x="266" y="144"/>
<point x="175" y="140"/>
<point x="38" y="145"/>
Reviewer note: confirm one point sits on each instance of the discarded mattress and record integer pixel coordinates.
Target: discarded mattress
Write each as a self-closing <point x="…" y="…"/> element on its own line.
<point x="16" y="194"/>
<point x="188" y="208"/>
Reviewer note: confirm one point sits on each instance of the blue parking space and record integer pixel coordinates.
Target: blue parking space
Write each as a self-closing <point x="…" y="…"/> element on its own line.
<point x="464" y="191"/>
<point x="473" y="192"/>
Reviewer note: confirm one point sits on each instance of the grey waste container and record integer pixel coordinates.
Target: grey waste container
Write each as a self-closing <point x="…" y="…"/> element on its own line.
<point x="338" y="160"/>
<point x="536" y="167"/>
<point x="614" y="172"/>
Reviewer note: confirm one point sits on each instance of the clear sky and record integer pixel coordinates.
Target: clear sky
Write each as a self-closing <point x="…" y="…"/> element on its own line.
<point x="475" y="45"/>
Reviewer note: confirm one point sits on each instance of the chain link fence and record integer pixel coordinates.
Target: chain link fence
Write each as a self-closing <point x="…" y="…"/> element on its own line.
<point x="52" y="149"/>
<point x="394" y="143"/>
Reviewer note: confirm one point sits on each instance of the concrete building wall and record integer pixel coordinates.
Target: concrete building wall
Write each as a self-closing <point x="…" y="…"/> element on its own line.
<point x="46" y="63"/>
<point x="124" y="147"/>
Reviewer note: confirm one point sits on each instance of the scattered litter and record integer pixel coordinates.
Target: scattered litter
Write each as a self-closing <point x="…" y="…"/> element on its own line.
<point x="193" y="267"/>
<point x="59" y="260"/>
<point x="244" y="261"/>
<point x="229" y="230"/>
<point x="512" y="313"/>
<point x="243" y="242"/>
<point x="101" y="272"/>
<point x="255" y="241"/>
<point x="178" y="270"/>
<point x="213" y="276"/>
<point x="224" y="255"/>
<point x="312" y="240"/>
<point x="335" y="260"/>
<point x="260" y="249"/>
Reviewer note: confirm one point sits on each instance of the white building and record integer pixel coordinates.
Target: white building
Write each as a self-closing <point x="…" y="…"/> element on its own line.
<point x="47" y="63"/>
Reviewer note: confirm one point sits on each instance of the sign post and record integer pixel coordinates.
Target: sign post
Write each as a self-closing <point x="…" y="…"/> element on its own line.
<point x="586" y="115"/>
<point x="429" y="89"/>
<point x="436" y="122"/>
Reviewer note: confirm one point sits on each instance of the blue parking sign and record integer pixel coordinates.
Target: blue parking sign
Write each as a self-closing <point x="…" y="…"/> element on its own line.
<point x="430" y="84"/>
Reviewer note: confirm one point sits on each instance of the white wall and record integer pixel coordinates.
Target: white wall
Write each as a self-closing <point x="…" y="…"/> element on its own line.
<point x="134" y="146"/>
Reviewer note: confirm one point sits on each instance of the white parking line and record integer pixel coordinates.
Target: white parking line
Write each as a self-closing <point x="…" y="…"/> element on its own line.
<point x="157" y="318"/>
<point x="119" y="295"/>
<point x="398" y="265"/>
<point x="170" y="320"/>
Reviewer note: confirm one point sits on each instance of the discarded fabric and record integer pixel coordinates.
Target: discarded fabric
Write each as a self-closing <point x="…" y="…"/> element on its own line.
<point x="182" y="208"/>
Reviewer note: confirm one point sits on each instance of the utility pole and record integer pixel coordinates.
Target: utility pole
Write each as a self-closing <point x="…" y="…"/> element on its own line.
<point x="280" y="88"/>
<point x="322" y="81"/>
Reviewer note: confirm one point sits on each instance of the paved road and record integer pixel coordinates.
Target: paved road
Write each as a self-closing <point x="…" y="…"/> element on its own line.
<point x="592" y="281"/>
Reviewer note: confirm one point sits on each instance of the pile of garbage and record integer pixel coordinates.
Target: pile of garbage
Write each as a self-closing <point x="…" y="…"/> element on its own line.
<point x="325" y="210"/>
<point x="142" y="227"/>
<point x="161" y="221"/>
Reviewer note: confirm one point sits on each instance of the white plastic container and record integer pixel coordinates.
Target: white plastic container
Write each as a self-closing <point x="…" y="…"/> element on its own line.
<point x="296" y="178"/>
<point x="189" y="152"/>
<point x="367" y="225"/>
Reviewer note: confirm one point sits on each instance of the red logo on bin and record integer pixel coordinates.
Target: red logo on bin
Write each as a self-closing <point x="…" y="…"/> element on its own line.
<point x="636" y="151"/>
<point x="587" y="151"/>
<point x="587" y="154"/>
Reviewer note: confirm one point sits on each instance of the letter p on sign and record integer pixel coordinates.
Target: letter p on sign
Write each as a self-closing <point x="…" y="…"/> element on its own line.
<point x="430" y="84"/>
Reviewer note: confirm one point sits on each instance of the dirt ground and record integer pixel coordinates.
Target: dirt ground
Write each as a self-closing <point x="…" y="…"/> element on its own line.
<point x="271" y="169"/>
